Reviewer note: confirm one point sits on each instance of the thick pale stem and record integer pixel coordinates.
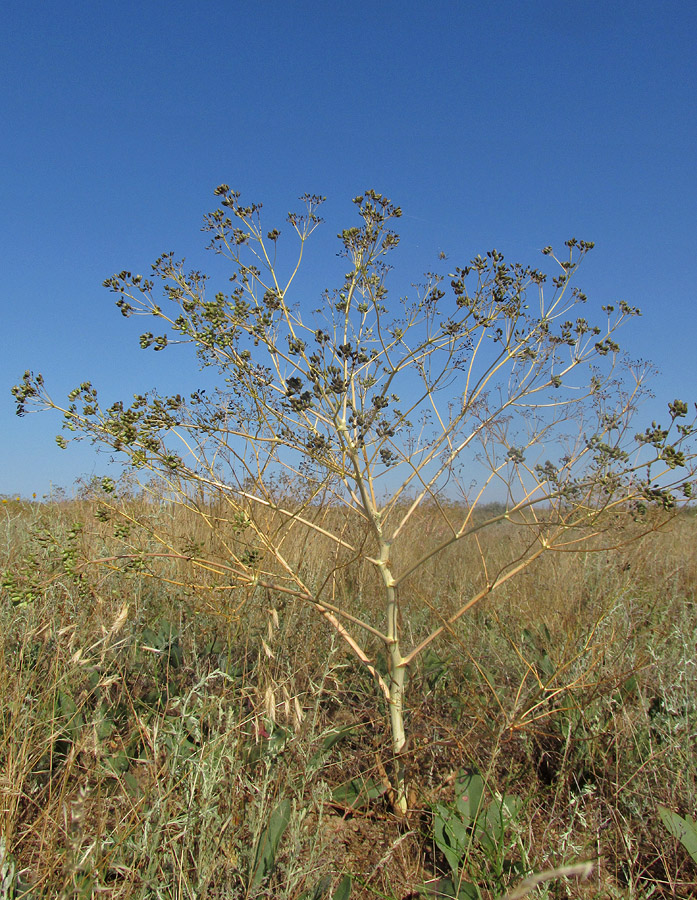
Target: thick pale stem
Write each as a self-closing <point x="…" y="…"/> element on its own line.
<point x="396" y="662"/>
<point x="397" y="673"/>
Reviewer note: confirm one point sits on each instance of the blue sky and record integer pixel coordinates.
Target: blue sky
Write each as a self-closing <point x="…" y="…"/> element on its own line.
<point x="499" y="124"/>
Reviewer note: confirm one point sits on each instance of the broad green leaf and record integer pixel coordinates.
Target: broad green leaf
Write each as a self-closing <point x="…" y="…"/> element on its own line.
<point x="132" y="785"/>
<point x="546" y="665"/>
<point x="629" y="688"/>
<point x="148" y="638"/>
<point x="167" y="634"/>
<point x="434" y="667"/>
<point x="104" y="725"/>
<point x="452" y="836"/>
<point x="445" y="889"/>
<point x="469" y="787"/>
<point x="343" y="890"/>
<point x="336" y="734"/>
<point x="321" y="890"/>
<point x="513" y="806"/>
<point x="330" y="739"/>
<point x="499" y="814"/>
<point x="67" y="709"/>
<point x="277" y="740"/>
<point x="267" y="846"/>
<point x="119" y="762"/>
<point x="175" y="654"/>
<point x="358" y="792"/>
<point x="684" y="829"/>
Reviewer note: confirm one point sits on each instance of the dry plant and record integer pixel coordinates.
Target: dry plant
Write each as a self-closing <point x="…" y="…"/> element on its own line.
<point x="345" y="421"/>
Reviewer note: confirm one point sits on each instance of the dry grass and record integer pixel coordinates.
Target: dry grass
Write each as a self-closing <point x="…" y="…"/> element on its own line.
<point x="154" y="718"/>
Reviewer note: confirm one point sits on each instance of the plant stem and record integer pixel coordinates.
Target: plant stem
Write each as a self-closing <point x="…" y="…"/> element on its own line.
<point x="397" y="673"/>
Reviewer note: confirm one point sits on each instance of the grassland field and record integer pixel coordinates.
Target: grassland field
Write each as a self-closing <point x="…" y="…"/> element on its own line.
<point x="167" y="734"/>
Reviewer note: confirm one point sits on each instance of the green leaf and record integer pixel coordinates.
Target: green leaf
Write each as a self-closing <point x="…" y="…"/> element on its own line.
<point x="444" y="889"/>
<point x="267" y="845"/>
<point x="277" y="740"/>
<point x="119" y="763"/>
<point x="132" y="785"/>
<point x="321" y="890"/>
<point x="499" y="814"/>
<point x="452" y="835"/>
<point x="67" y="709"/>
<point x="330" y="739"/>
<point x="104" y="725"/>
<point x="358" y="792"/>
<point x="343" y="890"/>
<point x="512" y="805"/>
<point x="149" y="638"/>
<point x="8" y="868"/>
<point x="434" y="667"/>
<point x="336" y="734"/>
<point x="175" y="654"/>
<point x="469" y="787"/>
<point x="685" y="830"/>
<point x="629" y="688"/>
<point x="270" y="747"/>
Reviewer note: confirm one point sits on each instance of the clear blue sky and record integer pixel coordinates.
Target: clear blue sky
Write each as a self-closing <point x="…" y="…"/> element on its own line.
<point x="493" y="124"/>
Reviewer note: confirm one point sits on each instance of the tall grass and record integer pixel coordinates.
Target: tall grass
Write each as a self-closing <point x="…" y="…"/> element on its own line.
<point x="164" y="733"/>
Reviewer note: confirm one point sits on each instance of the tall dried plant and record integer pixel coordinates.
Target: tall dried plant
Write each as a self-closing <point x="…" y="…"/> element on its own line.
<point x="344" y="420"/>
